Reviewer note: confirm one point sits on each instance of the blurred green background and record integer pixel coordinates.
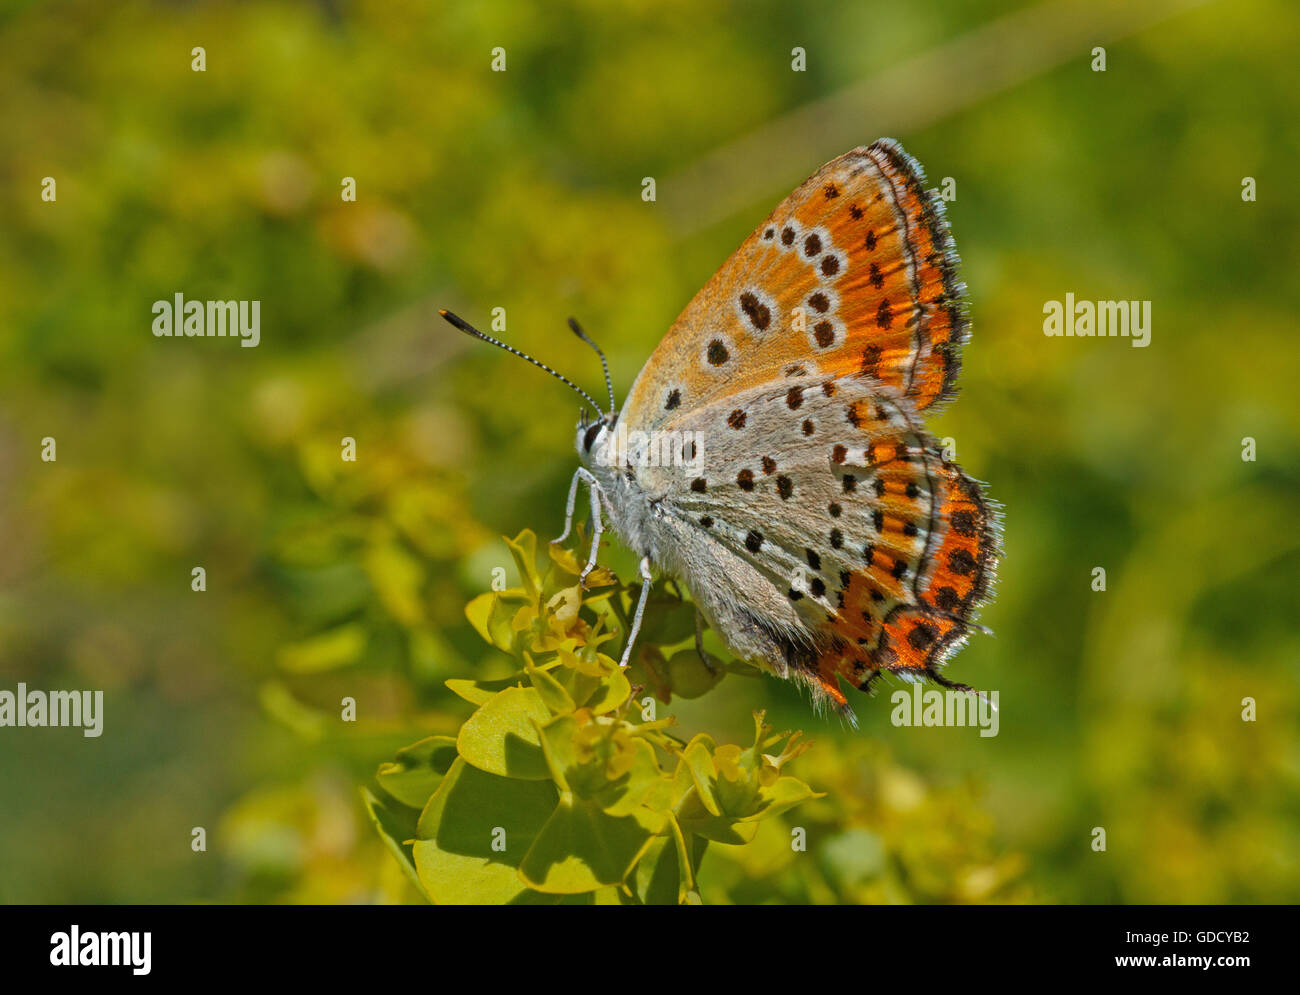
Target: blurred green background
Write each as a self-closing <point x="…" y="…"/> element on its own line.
<point x="522" y="190"/>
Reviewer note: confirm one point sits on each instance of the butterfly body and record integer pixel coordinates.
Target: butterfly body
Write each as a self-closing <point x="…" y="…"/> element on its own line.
<point x="647" y="509"/>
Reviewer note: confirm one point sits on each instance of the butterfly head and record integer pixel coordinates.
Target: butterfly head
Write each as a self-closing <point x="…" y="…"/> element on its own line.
<point x="592" y="437"/>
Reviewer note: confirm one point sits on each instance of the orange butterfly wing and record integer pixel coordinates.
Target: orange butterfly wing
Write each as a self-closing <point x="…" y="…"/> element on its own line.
<point x="853" y="272"/>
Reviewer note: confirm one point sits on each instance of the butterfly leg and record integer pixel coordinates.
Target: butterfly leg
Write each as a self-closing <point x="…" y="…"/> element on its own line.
<point x="581" y="475"/>
<point x="593" y="489"/>
<point x="597" y="495"/>
<point x="699" y="642"/>
<point x="640" y="611"/>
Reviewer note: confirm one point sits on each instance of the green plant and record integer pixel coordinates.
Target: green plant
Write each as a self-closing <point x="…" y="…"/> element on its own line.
<point x="561" y="785"/>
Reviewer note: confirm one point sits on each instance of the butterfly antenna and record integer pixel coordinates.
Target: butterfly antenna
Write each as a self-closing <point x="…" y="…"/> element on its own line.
<point x="468" y="329"/>
<point x="604" y="364"/>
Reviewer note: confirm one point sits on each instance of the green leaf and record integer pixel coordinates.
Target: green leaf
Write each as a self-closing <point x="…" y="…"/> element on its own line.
<point x="479" y="692"/>
<point x="588" y="777"/>
<point x="623" y="795"/>
<point x="785" y="793"/>
<point x="397" y="578"/>
<point x="523" y="548"/>
<point x="501" y="737"/>
<point x="396" y="830"/>
<point x="581" y="848"/>
<point x="698" y="758"/>
<point x="336" y="648"/>
<point x="658" y="873"/>
<point x="557" y="747"/>
<point x="695" y="818"/>
<point x="665" y="874"/>
<point x="690" y="675"/>
<point x="414" y="774"/>
<point x="471" y="811"/>
<point x="667" y="620"/>
<point x="493" y="615"/>
<point x="551" y="691"/>
<point x="684" y="861"/>
<point x="601" y="695"/>
<point x="478" y="611"/>
<point x="280" y="703"/>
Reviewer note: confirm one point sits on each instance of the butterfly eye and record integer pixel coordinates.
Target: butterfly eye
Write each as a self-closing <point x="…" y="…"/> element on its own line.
<point x="590" y="437"/>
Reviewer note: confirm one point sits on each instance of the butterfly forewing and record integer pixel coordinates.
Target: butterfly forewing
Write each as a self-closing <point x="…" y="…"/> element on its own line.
<point x="854" y="272"/>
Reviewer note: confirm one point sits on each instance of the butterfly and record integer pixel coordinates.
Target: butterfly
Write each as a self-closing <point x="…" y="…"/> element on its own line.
<point x="772" y="454"/>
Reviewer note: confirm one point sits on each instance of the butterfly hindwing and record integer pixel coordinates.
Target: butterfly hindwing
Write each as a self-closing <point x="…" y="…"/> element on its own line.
<point x="828" y="492"/>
